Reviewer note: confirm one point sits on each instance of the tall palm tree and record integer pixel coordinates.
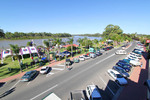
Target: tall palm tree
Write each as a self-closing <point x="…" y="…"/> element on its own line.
<point x="71" y="42"/>
<point x="81" y="42"/>
<point x="96" y="42"/>
<point x="58" y="42"/>
<point x="15" y="49"/>
<point x="46" y="43"/>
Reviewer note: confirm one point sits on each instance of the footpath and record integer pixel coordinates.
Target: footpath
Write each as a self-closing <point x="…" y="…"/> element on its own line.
<point x="135" y="90"/>
<point x="52" y="63"/>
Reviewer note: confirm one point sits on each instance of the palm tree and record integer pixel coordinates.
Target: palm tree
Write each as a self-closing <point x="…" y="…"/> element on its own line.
<point x="81" y="42"/>
<point x="58" y="42"/>
<point x="46" y="43"/>
<point x="96" y="42"/>
<point x="15" y="49"/>
<point x="71" y="42"/>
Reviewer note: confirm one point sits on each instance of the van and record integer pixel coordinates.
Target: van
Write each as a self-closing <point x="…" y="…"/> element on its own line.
<point x="93" y="93"/>
<point x="121" y="52"/>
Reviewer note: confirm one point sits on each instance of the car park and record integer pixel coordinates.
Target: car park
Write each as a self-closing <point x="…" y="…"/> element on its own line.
<point x="28" y="75"/>
<point x="93" y="93"/>
<point x="44" y="70"/>
<point x="125" y="67"/>
<point x="121" y="71"/>
<point x="81" y="58"/>
<point x="118" y="78"/>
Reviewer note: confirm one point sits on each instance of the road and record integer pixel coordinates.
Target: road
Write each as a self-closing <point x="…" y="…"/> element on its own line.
<point x="92" y="71"/>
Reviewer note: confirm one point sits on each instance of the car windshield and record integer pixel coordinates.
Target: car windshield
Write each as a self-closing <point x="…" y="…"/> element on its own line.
<point x="85" y="55"/>
<point x="80" y="57"/>
<point x="97" y="98"/>
<point x="26" y="75"/>
<point x="122" y="71"/>
<point x="125" y="66"/>
<point x="43" y="69"/>
<point x="119" y="76"/>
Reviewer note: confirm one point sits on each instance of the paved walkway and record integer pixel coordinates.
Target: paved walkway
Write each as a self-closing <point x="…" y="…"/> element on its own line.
<point x="38" y="69"/>
<point x="135" y="90"/>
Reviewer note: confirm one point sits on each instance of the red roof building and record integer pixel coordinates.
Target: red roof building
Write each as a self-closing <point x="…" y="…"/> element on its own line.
<point x="65" y="46"/>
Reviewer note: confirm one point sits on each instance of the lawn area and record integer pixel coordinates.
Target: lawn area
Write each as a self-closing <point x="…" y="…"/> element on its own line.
<point x="14" y="67"/>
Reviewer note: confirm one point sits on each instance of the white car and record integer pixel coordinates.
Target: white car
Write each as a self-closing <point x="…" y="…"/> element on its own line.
<point x="93" y="93"/>
<point x="44" y="70"/>
<point x="118" y="78"/>
<point x="121" y="52"/>
<point x="81" y="58"/>
<point x="86" y="57"/>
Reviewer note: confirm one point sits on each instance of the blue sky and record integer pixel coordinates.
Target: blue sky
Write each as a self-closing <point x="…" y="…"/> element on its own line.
<point x="74" y="16"/>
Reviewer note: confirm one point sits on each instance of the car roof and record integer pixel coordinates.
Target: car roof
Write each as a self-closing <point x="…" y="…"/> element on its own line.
<point x="29" y="72"/>
<point x="44" y="67"/>
<point x="95" y="92"/>
<point x="113" y="71"/>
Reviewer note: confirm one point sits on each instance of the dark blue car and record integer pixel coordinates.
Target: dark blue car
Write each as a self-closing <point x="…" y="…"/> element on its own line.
<point x="124" y="66"/>
<point x="123" y="61"/>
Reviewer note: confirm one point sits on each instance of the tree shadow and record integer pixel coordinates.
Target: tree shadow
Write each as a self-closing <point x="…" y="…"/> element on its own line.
<point x="2" y="84"/>
<point x="1" y="65"/>
<point x="7" y="92"/>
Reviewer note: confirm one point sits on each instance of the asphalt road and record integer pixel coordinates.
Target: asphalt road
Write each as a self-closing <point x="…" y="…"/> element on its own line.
<point x="61" y="82"/>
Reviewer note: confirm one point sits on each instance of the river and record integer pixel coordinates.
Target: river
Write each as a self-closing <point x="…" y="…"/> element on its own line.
<point x="4" y="44"/>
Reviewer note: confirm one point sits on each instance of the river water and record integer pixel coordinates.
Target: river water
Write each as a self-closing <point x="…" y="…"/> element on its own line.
<point x="5" y="43"/>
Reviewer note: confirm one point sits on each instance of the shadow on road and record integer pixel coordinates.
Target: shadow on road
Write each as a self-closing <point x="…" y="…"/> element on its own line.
<point x="7" y="92"/>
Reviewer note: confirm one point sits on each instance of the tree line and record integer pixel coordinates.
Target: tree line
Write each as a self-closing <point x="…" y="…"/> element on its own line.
<point x="22" y="35"/>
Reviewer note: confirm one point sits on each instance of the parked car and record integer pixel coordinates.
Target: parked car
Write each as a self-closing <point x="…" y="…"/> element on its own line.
<point x="120" y="52"/>
<point x="118" y="78"/>
<point x="125" y="67"/>
<point x="28" y="75"/>
<point x="68" y="62"/>
<point x="93" y="93"/>
<point x="135" y="63"/>
<point x="77" y="95"/>
<point x="123" y="64"/>
<point x="121" y="71"/>
<point x="81" y="58"/>
<point x="44" y="70"/>
<point x="123" y="61"/>
<point x="86" y="57"/>
<point x="76" y="60"/>
<point x="127" y="60"/>
<point x="92" y="55"/>
<point x="98" y="53"/>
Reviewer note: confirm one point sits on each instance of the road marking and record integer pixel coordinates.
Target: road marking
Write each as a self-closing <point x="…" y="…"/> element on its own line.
<point x="57" y="69"/>
<point x="106" y="85"/>
<point x="105" y="58"/>
<point x="44" y="92"/>
<point x="49" y="74"/>
<point x="113" y="79"/>
<point x="15" y="84"/>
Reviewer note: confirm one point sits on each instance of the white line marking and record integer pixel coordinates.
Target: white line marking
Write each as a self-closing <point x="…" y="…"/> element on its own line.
<point x="28" y="83"/>
<point x="106" y="85"/>
<point x="44" y="92"/>
<point x="15" y="84"/>
<point x="113" y="79"/>
<point x="105" y="58"/>
<point x="49" y="74"/>
<point x="57" y="69"/>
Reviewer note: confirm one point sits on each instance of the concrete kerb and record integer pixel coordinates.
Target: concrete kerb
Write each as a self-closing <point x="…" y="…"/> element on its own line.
<point x="38" y="69"/>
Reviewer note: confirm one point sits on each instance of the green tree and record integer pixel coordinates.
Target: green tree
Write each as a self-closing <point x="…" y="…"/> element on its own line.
<point x="96" y="42"/>
<point x="58" y="43"/>
<point x="81" y="42"/>
<point x="71" y="42"/>
<point x="1" y="33"/>
<point x="46" y="43"/>
<point x="15" y="49"/>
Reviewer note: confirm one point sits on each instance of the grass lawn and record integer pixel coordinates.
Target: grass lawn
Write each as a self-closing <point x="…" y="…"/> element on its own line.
<point x="14" y="66"/>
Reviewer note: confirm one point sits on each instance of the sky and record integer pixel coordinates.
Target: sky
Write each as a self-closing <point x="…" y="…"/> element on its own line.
<point x="74" y="16"/>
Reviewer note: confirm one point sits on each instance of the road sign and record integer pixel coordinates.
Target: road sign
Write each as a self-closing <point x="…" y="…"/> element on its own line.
<point x="147" y="41"/>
